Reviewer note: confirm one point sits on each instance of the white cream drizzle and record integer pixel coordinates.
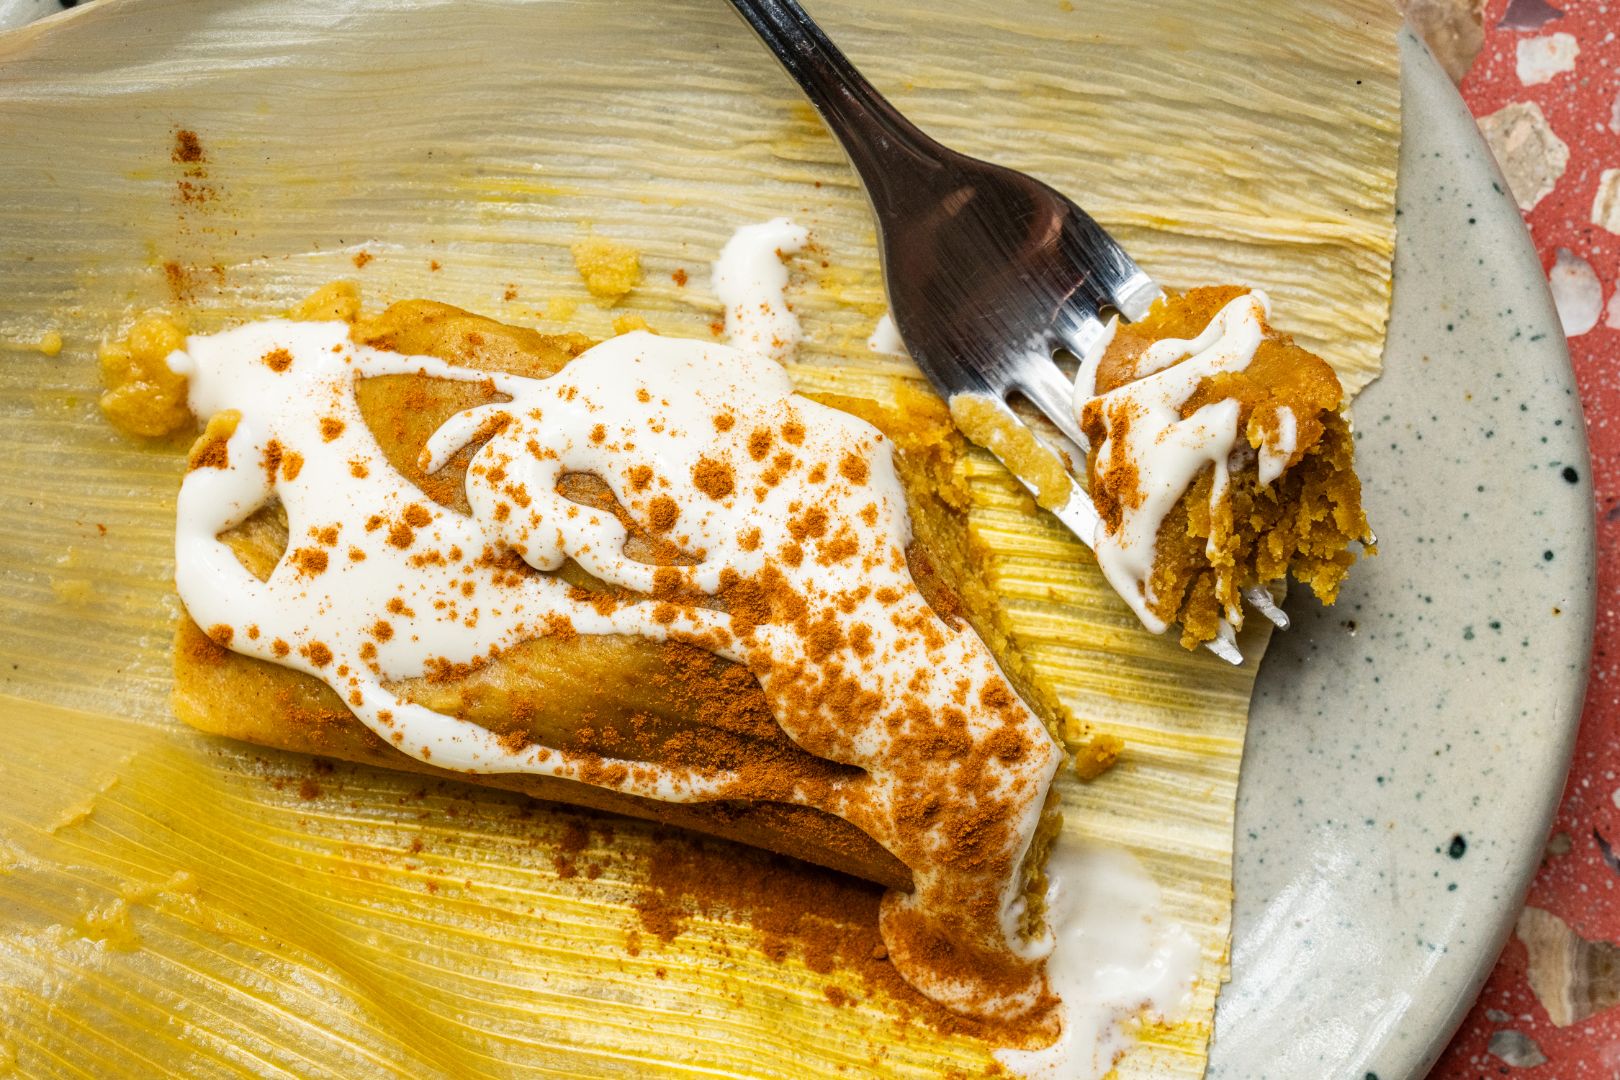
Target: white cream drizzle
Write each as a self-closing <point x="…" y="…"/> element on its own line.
<point x="1168" y="451"/>
<point x="1117" y="962"/>
<point x="1274" y="457"/>
<point x="461" y="611"/>
<point x="885" y="337"/>
<point x="636" y="400"/>
<point x="751" y="279"/>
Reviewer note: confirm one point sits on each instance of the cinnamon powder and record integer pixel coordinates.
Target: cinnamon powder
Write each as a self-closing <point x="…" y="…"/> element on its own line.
<point x="713" y="477"/>
<point x="797" y="913"/>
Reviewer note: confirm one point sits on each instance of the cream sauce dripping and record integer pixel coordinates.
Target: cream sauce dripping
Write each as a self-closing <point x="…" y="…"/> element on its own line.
<point x="1117" y="961"/>
<point x="657" y="419"/>
<point x="634" y="406"/>
<point x="750" y="280"/>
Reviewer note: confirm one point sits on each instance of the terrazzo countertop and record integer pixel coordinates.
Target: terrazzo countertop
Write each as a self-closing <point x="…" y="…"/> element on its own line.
<point x="1544" y="83"/>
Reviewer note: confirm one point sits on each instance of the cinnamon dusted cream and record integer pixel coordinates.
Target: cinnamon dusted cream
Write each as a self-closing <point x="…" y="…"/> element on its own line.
<point x="743" y="519"/>
<point x="791" y="529"/>
<point x="750" y="281"/>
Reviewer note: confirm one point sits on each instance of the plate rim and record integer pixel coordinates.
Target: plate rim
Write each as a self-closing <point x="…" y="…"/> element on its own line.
<point x="1401" y="1051"/>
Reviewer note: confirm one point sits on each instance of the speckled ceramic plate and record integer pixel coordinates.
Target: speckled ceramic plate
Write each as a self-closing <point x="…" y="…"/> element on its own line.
<point x="1407" y="748"/>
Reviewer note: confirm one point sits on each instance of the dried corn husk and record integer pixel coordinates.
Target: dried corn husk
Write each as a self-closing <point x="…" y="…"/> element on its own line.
<point x="167" y="901"/>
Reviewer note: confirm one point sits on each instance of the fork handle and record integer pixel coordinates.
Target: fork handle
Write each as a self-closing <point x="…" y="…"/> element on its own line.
<point x="883" y="146"/>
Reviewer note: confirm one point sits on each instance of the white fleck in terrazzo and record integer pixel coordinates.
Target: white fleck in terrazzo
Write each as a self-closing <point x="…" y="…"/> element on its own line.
<point x="1543" y="59"/>
<point x="1529" y="152"/>
<point x="1576" y="292"/>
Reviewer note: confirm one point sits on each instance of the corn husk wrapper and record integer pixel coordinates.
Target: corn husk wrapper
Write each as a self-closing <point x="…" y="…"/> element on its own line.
<point x="169" y="901"/>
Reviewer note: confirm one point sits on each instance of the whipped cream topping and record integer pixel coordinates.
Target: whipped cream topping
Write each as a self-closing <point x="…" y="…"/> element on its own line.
<point x="1118" y="962"/>
<point x="751" y="281"/>
<point x="1147" y="432"/>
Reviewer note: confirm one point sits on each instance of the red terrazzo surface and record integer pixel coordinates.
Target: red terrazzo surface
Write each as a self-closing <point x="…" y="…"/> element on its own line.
<point x="1582" y="109"/>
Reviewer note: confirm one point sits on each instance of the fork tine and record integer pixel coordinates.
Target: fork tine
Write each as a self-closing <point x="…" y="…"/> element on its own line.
<point x="1224" y="644"/>
<point x="1112" y="277"/>
<point x="1134" y="296"/>
<point x="1259" y="598"/>
<point x="1079" y="515"/>
<point x="1078" y="327"/>
<point x="1049" y="390"/>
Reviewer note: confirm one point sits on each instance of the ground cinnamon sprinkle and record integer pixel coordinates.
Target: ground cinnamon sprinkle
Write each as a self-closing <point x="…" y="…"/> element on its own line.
<point x="179" y="281"/>
<point x="662" y="514"/>
<point x="575" y="837"/>
<point x="361" y="258"/>
<point x="187" y="147"/>
<point x="193" y="194"/>
<point x="310" y="561"/>
<point x="278" y="360"/>
<point x="759" y="443"/>
<point x="825" y="920"/>
<point x="211" y="455"/>
<point x="417" y="516"/>
<point x="713" y="477"/>
<point x="221" y="634"/>
<point x="331" y="428"/>
<point x="272" y="459"/>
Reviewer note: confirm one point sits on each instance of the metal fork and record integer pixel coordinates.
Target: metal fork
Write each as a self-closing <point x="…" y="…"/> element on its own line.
<point x="989" y="271"/>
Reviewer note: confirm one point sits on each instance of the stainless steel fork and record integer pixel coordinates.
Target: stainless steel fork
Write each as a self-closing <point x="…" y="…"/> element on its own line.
<point x="989" y="271"/>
